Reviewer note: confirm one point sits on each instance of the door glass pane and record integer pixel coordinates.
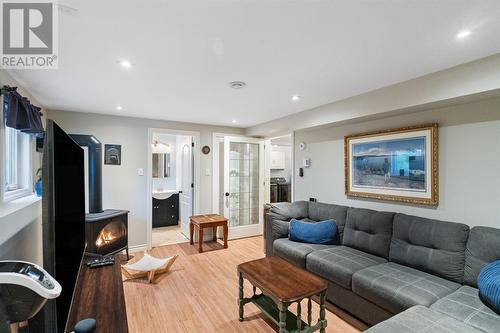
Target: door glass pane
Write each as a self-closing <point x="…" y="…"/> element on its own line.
<point x="243" y="184"/>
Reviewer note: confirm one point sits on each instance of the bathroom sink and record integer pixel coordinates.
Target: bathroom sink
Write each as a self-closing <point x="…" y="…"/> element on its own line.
<point x="162" y="195"/>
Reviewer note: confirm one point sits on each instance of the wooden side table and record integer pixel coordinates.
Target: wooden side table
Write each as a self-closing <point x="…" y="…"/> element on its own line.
<point x="207" y="221"/>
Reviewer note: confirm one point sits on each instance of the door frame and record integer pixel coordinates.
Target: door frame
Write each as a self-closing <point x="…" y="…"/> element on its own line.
<point x="149" y="180"/>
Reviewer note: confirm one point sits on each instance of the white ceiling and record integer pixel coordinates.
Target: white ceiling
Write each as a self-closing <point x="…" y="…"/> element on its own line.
<point x="185" y="52"/>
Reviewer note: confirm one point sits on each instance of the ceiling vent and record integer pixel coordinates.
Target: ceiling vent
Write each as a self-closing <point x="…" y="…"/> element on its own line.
<point x="237" y="84"/>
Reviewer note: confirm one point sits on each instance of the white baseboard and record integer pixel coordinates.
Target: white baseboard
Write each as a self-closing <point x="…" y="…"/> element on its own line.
<point x="138" y="248"/>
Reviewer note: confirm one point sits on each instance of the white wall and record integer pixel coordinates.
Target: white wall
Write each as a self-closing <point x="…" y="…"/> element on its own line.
<point x="122" y="187"/>
<point x="469" y="163"/>
<point x="25" y="244"/>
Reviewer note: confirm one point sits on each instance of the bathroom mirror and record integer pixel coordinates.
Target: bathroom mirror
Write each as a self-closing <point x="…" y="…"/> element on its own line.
<point x="161" y="165"/>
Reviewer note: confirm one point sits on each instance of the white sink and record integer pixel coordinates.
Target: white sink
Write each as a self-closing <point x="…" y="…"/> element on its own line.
<point x="162" y="195"/>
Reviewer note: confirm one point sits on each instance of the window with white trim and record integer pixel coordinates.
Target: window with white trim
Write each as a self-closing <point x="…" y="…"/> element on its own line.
<point x="17" y="161"/>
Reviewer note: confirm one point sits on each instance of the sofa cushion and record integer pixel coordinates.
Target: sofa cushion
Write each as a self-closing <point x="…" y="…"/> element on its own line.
<point x="323" y="232"/>
<point x="295" y="252"/>
<point x="339" y="263"/>
<point x="464" y="305"/>
<point x="420" y="319"/>
<point x="432" y="246"/>
<point x="368" y="230"/>
<point x="396" y="288"/>
<point x="483" y="247"/>
<point x="319" y="211"/>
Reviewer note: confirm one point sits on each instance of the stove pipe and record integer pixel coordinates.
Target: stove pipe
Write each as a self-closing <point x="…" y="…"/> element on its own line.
<point x="95" y="169"/>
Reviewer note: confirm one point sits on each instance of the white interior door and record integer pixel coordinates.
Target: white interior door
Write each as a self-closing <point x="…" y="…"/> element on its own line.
<point x="243" y="186"/>
<point x="186" y="195"/>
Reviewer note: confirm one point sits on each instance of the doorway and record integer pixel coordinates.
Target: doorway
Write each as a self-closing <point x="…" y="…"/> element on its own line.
<point x="279" y="169"/>
<point x="238" y="183"/>
<point x="173" y="179"/>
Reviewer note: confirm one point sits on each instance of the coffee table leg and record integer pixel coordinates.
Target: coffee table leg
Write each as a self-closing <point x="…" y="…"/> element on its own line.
<point x="282" y="324"/>
<point x="299" y="315"/>
<point x="240" y="300"/>
<point x="309" y="311"/>
<point x="214" y="232"/>
<point x="322" y="312"/>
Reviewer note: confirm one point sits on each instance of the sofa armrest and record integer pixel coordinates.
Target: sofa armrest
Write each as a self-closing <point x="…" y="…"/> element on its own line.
<point x="278" y="220"/>
<point x="276" y="228"/>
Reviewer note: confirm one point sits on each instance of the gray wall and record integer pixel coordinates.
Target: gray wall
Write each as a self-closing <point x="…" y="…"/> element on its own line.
<point x="122" y="187"/>
<point x="469" y="163"/>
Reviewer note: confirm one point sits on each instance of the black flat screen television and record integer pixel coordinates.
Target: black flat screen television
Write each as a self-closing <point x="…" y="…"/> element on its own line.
<point x="63" y="205"/>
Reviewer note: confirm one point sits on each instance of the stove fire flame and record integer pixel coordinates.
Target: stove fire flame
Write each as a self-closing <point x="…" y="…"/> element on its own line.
<point x="105" y="237"/>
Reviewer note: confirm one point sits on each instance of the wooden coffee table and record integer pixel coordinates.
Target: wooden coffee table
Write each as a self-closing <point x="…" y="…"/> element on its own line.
<point x="207" y="221"/>
<point x="282" y="284"/>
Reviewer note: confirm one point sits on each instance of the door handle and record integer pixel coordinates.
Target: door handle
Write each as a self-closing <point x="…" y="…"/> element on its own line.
<point x="227" y="199"/>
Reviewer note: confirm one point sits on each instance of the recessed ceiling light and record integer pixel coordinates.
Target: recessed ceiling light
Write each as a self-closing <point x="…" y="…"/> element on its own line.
<point x="237" y="84"/>
<point x="125" y="63"/>
<point x="233" y="121"/>
<point x="295" y="98"/>
<point x="119" y="107"/>
<point x="464" y="33"/>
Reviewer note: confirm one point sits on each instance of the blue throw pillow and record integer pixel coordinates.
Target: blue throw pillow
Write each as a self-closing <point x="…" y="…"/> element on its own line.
<point x="488" y="283"/>
<point x="316" y="233"/>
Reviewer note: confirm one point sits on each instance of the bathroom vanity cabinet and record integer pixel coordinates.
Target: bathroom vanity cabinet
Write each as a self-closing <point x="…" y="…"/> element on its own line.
<point x="166" y="211"/>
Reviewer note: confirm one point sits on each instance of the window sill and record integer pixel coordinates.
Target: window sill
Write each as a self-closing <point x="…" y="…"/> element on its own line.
<point x="16" y="194"/>
<point x="12" y="206"/>
<point x="17" y="214"/>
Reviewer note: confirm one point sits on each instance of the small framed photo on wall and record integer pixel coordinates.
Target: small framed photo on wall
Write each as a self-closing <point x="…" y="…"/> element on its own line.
<point x="112" y="154"/>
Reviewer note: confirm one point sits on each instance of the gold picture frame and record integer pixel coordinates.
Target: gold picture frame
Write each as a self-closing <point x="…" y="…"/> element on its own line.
<point x="408" y="175"/>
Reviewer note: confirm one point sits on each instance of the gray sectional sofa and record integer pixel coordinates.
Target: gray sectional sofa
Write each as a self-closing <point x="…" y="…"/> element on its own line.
<point x="398" y="272"/>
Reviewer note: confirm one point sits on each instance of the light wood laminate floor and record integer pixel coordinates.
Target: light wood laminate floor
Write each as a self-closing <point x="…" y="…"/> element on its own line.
<point x="167" y="235"/>
<point x="200" y="294"/>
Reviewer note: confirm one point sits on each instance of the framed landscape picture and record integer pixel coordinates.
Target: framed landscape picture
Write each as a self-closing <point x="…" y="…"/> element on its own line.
<point x="396" y="165"/>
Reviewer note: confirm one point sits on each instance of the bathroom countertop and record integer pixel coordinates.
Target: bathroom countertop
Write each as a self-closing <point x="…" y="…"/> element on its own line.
<point x="162" y="195"/>
<point x="166" y="191"/>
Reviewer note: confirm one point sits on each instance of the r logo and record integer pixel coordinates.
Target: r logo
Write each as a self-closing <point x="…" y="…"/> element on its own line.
<point x="27" y="28"/>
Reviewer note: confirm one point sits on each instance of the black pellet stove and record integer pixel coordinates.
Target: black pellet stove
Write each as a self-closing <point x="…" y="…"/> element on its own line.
<point x="106" y="231"/>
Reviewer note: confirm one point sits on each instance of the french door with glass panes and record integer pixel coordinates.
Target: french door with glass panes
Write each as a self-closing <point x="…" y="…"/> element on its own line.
<point x="243" y="186"/>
